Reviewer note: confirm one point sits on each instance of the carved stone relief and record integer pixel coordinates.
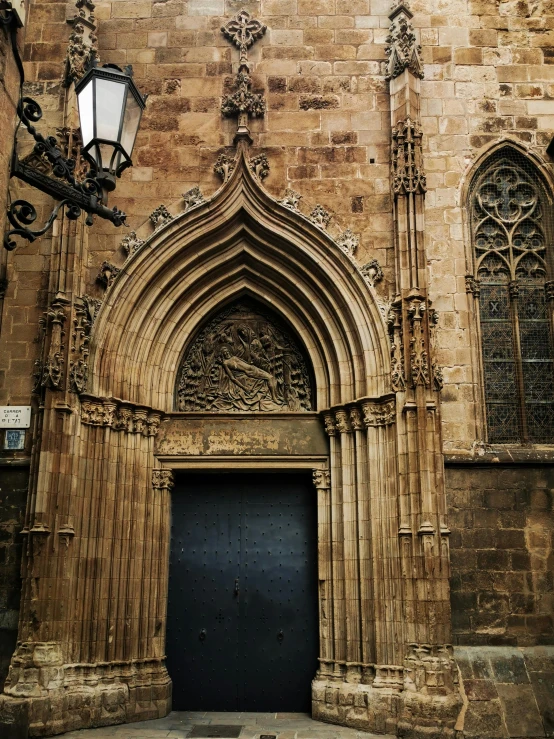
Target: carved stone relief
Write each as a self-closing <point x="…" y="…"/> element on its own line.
<point x="120" y="415"/>
<point x="244" y="360"/>
<point x="108" y="273"/>
<point x="86" y="311"/>
<point x="320" y="216"/>
<point x="243" y="31"/>
<point x="83" y="42"/>
<point x="131" y="243"/>
<point x="224" y="166"/>
<point x="193" y="198"/>
<point x="160" y="216"/>
<point x="348" y="242"/>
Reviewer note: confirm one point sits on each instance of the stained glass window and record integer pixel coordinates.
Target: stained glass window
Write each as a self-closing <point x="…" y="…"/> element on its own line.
<point x="512" y="232"/>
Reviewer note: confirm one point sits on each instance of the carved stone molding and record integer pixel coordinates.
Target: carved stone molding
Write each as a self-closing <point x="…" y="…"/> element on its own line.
<point x="372" y="272"/>
<point x="291" y="199"/>
<point x="162" y="479"/>
<point x="320" y="216"/>
<point x="379" y="413"/>
<point x="259" y="166"/>
<point x="342" y="421"/>
<point x="402" y="50"/>
<point x="549" y="290"/>
<point x="108" y="273"/>
<point x="160" y="216"/>
<point x="360" y="415"/>
<point x="86" y="310"/>
<point x="83" y="42"/>
<point x="394" y="320"/>
<point x="224" y="166"/>
<point x="321" y="479"/>
<point x="389" y="676"/>
<point x="356" y="418"/>
<point x="348" y="242"/>
<point x="244" y="360"/>
<point x="131" y="243"/>
<point x="419" y="352"/>
<point x="243" y="102"/>
<point x="120" y="415"/>
<point x="407" y="158"/>
<point x="330" y="425"/>
<point x="193" y="198"/>
<point x="49" y="373"/>
<point x="431" y="668"/>
<point x="472" y="286"/>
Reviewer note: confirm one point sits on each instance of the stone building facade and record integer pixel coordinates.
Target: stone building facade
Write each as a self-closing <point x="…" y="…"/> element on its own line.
<point x="339" y="259"/>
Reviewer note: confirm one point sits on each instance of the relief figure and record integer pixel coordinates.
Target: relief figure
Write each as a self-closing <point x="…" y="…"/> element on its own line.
<point x="243" y="361"/>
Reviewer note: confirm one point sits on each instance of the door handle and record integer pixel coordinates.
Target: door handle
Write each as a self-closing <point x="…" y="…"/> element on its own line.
<point x="236" y="587"/>
<point x="202" y="634"/>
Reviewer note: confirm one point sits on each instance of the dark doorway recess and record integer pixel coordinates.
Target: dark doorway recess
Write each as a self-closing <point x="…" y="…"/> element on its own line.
<point x="242" y="630"/>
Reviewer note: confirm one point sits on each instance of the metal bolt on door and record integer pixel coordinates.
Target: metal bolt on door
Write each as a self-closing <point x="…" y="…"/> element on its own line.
<point x="242" y="629"/>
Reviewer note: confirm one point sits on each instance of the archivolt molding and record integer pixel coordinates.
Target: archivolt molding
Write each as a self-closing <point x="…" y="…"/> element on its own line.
<point x="241" y="241"/>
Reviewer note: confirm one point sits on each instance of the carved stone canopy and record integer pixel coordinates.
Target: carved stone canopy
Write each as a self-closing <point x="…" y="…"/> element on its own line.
<point x="245" y="359"/>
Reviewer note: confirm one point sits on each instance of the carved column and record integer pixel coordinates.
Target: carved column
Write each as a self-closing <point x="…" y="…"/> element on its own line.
<point x="422" y="531"/>
<point x="322" y="483"/>
<point x="352" y="652"/>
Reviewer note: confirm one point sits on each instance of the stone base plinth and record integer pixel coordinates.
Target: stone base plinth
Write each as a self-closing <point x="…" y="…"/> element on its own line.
<point x="52" y="698"/>
<point x="386" y="710"/>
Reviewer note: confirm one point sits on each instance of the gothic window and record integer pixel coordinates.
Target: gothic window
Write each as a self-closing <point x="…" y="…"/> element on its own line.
<point x="512" y="236"/>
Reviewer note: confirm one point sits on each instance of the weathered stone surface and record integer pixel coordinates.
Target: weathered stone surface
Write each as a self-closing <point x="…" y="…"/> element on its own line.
<point x="393" y="162"/>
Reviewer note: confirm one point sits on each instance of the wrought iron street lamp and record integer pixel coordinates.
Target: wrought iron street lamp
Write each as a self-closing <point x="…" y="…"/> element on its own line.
<point x="110" y="109"/>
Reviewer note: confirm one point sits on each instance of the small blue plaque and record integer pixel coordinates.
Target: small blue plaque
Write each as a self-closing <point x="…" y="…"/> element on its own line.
<point x="14" y="439"/>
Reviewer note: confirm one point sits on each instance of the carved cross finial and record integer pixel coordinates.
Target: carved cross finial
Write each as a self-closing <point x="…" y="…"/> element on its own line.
<point x="243" y="31"/>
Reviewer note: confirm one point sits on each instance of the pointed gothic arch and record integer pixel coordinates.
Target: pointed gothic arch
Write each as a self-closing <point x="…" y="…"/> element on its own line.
<point x="240" y="241"/>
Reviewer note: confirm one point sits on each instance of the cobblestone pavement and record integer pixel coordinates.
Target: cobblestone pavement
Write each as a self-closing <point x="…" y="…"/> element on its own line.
<point x="178" y="725"/>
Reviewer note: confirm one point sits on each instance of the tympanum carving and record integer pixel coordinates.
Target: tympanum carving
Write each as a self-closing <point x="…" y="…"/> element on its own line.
<point x="244" y="360"/>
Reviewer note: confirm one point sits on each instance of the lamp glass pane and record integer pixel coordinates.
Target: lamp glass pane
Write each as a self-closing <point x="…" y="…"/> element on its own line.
<point x="86" y="113"/>
<point x="131" y="122"/>
<point x="110" y="96"/>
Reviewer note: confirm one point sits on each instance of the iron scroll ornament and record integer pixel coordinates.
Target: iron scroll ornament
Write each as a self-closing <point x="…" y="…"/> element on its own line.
<point x="75" y="197"/>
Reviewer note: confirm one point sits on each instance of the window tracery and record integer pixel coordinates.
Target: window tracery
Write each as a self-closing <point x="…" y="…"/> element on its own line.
<point x="511" y="226"/>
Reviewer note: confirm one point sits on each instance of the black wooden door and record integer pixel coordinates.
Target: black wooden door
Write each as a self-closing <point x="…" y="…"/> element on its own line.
<point x="242" y="630"/>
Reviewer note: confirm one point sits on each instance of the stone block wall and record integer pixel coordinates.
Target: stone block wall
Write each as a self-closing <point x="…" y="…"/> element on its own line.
<point x="502" y="553"/>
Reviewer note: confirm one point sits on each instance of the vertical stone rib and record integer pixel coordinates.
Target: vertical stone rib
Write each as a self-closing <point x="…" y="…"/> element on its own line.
<point x="364" y="540"/>
<point x="322" y="482"/>
<point x="337" y="547"/>
<point x="350" y="537"/>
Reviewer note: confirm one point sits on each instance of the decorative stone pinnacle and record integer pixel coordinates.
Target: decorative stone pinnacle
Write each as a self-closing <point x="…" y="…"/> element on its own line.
<point x="402" y="49"/>
<point x="243" y="31"/>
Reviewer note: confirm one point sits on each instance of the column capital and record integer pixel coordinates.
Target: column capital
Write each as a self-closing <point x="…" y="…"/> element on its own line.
<point x="162" y="479"/>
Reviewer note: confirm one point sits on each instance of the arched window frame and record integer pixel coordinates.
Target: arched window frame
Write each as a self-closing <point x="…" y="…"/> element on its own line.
<point x="504" y="206"/>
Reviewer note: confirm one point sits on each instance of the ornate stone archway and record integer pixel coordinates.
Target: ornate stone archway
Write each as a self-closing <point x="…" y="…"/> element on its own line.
<point x="99" y="521"/>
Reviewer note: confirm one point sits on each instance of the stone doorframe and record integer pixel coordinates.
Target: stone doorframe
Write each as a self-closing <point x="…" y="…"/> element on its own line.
<point x="92" y="628"/>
